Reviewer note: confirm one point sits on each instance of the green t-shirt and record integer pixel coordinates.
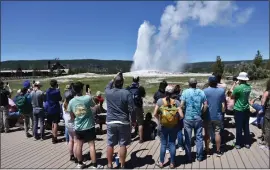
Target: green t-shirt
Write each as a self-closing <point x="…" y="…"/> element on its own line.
<point x="241" y="94"/>
<point x="81" y="107"/>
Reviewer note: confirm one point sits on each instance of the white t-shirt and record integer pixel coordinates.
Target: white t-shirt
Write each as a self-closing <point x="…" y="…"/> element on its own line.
<point x="68" y="122"/>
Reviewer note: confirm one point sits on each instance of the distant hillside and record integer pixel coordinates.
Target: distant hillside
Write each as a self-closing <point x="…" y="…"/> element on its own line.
<point x="102" y="66"/>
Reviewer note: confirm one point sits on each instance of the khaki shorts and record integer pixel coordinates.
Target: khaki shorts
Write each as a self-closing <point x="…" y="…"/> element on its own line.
<point x="214" y="125"/>
<point x="139" y="116"/>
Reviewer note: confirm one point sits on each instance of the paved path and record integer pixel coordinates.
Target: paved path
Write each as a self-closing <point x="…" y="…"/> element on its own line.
<point x="19" y="152"/>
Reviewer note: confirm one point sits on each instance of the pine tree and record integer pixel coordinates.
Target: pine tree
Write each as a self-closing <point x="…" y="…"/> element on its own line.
<point x="258" y="60"/>
<point x="218" y="67"/>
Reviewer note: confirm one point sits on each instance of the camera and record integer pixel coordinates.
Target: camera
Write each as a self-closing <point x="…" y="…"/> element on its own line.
<point x="235" y="78"/>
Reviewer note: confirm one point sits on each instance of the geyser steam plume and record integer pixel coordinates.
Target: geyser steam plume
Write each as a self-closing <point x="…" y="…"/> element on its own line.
<point x="164" y="49"/>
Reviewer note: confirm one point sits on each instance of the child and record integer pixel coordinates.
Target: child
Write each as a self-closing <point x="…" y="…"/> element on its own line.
<point x="150" y="128"/>
<point x="230" y="103"/>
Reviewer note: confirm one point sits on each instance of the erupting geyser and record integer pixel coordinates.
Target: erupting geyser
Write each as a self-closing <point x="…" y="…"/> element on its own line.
<point x="164" y="49"/>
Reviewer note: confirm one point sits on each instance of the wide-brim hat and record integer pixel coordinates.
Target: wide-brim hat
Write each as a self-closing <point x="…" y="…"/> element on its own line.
<point x="243" y="76"/>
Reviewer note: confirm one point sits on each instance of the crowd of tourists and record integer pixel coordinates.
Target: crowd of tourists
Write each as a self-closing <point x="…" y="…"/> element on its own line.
<point x="176" y="114"/>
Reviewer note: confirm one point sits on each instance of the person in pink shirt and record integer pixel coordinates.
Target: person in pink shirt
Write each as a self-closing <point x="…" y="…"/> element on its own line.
<point x="230" y="103"/>
<point x="11" y="106"/>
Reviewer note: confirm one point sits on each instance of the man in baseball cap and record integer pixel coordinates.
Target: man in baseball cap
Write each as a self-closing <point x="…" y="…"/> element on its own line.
<point x="192" y="100"/>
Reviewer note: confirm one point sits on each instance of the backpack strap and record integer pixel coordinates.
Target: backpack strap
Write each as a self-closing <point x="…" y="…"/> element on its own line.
<point x="164" y="102"/>
<point x="172" y="101"/>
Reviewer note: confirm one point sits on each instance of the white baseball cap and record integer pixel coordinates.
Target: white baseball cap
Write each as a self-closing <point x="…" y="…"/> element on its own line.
<point x="243" y="76"/>
<point x="169" y="89"/>
<point x="37" y="83"/>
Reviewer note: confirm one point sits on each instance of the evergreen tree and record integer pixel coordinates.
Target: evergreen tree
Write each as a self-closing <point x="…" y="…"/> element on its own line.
<point x="218" y="66"/>
<point x="258" y="60"/>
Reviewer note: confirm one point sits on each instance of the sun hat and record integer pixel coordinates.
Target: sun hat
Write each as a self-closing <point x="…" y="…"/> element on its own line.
<point x="169" y="89"/>
<point x="243" y="76"/>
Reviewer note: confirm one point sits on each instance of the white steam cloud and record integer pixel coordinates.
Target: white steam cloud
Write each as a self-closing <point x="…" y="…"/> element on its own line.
<point x="164" y="48"/>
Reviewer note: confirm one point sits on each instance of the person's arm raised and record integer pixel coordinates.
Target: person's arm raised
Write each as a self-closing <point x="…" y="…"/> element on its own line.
<point x="264" y="97"/>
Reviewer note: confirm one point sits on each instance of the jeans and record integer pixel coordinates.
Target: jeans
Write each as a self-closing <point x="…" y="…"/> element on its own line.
<point x="180" y="135"/>
<point x="4" y="118"/>
<point x="242" y="123"/>
<point x="38" y="118"/>
<point x="197" y="125"/>
<point x="28" y="122"/>
<point x="168" y="137"/>
<point x="66" y="134"/>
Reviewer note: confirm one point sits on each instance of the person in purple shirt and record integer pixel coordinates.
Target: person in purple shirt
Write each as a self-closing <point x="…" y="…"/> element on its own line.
<point x="53" y="97"/>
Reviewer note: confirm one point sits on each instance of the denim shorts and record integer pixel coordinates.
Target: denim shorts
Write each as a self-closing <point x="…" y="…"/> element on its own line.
<point x="214" y="125"/>
<point x="118" y="134"/>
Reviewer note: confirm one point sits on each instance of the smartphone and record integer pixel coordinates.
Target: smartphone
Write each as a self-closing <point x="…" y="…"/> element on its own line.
<point x="87" y="87"/>
<point x="7" y="83"/>
<point x="34" y="81"/>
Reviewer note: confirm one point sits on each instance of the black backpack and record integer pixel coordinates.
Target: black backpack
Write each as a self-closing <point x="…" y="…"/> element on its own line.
<point x="4" y="98"/>
<point x="137" y="98"/>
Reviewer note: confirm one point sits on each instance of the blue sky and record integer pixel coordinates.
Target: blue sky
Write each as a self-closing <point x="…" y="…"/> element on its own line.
<point x="108" y="30"/>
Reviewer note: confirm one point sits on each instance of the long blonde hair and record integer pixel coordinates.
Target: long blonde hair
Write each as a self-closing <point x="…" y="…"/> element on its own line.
<point x="65" y="104"/>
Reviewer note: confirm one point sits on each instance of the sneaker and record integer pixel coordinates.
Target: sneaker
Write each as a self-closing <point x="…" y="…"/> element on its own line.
<point x="96" y="167"/>
<point x="181" y="149"/>
<point x="262" y="143"/>
<point x="7" y="131"/>
<point x="72" y="158"/>
<point x="54" y="140"/>
<point x="81" y="166"/>
<point x="28" y="135"/>
<point x="237" y="147"/>
<point x="219" y="153"/>
<point x="260" y="137"/>
<point x="207" y="153"/>
<point x="141" y="141"/>
<point x="247" y="146"/>
<point x="167" y="151"/>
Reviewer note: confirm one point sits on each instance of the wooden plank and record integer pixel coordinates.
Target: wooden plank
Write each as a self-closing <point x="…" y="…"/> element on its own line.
<point x="19" y="152"/>
<point x="145" y="154"/>
<point x="47" y="156"/>
<point x="23" y="154"/>
<point x="227" y="159"/>
<point x="153" y="152"/>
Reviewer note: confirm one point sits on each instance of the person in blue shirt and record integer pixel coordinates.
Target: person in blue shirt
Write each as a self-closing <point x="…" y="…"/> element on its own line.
<point x="215" y="99"/>
<point x="193" y="100"/>
<point x="53" y="97"/>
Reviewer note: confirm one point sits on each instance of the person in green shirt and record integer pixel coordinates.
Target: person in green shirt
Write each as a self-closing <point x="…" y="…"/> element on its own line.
<point x="80" y="111"/>
<point x="241" y="95"/>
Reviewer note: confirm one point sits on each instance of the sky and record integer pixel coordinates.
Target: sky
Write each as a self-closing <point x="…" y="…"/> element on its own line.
<point x="109" y="30"/>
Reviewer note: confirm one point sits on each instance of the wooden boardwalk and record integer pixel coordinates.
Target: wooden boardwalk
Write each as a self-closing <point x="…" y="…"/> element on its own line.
<point x="18" y="152"/>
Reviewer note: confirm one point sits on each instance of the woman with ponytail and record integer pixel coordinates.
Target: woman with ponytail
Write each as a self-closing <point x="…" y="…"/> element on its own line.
<point x="69" y="124"/>
<point x="168" y="113"/>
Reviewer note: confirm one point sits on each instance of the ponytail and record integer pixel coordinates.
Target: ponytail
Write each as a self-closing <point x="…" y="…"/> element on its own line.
<point x="65" y="104"/>
<point x="168" y="99"/>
